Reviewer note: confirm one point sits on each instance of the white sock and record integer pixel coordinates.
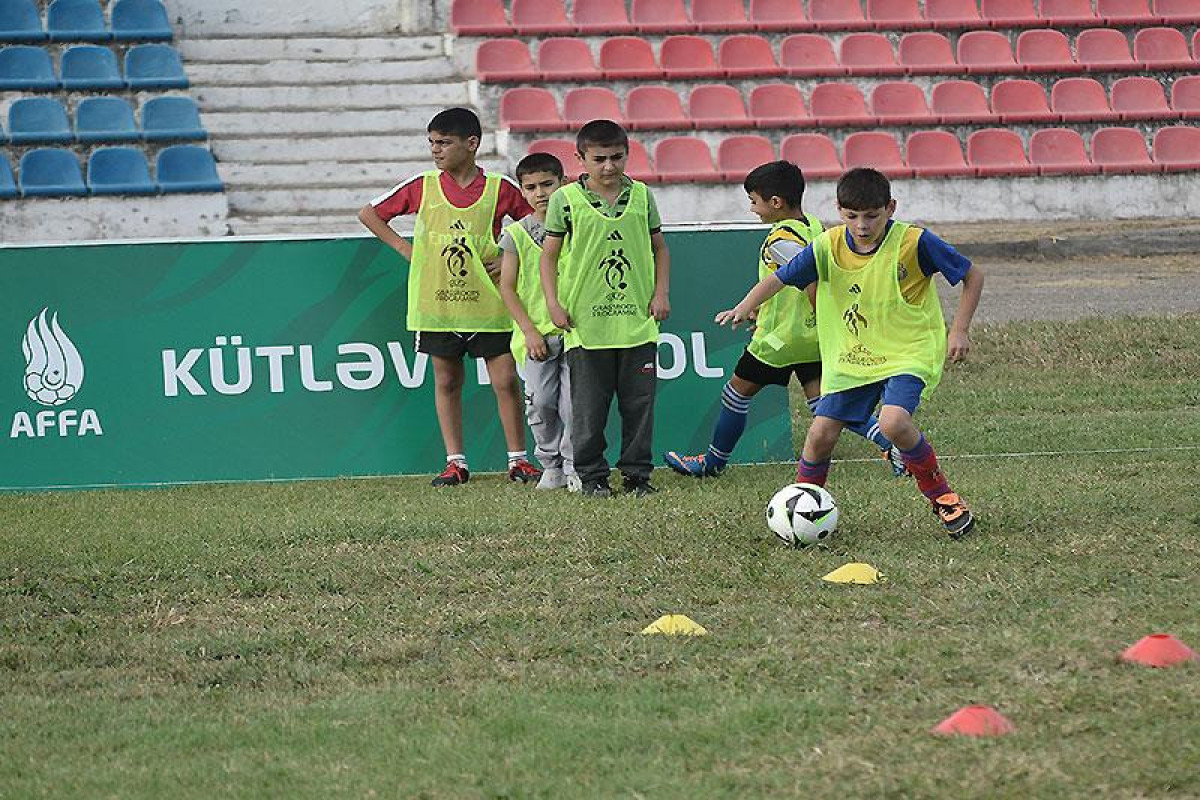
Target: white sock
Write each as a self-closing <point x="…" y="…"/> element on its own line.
<point x="457" y="458"/>
<point x="514" y="456"/>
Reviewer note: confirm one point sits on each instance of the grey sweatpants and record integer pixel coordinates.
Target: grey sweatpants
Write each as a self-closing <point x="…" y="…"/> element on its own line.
<point x="548" y="407"/>
<point x="596" y="375"/>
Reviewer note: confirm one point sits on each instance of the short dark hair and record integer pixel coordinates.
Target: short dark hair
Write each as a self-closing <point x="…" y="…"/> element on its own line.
<point x="456" y="122"/>
<point x="601" y="133"/>
<point x="539" y="162"/>
<point x="781" y="179"/>
<point x="862" y="189"/>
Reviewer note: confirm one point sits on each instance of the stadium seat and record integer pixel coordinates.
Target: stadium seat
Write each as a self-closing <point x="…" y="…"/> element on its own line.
<point x="624" y="58"/>
<point x="1080" y="100"/>
<point x="1015" y="101"/>
<point x="1185" y="97"/>
<point x="949" y="14"/>
<point x="868" y="54"/>
<point x="681" y="159"/>
<point x="8" y="185"/>
<point x="778" y="15"/>
<point x="1125" y="12"/>
<point x="1140" y="98"/>
<point x="981" y="52"/>
<point x="1009" y="13"/>
<point x="1116" y="150"/>
<point x="561" y="149"/>
<point x="719" y="16"/>
<point x="502" y="60"/>
<point x="24" y="67"/>
<point x="154" y="66"/>
<point x="837" y="15"/>
<point x="187" y="168"/>
<point x="566" y="59"/>
<point x="479" y="18"/>
<point x="875" y="149"/>
<point x="76" y="21"/>
<point x="1059" y="13"/>
<point x="38" y="120"/>
<point x="807" y="54"/>
<point x="601" y="16"/>
<point x="534" y="17"/>
<point x="717" y="106"/>
<point x="660" y="16"/>
<point x="90" y="67"/>
<point x="1161" y="48"/>
<point x="638" y="166"/>
<point x="140" y="20"/>
<point x="20" y="22"/>
<point x="926" y="54"/>
<point x="996" y="151"/>
<point x="655" y="107"/>
<point x="165" y="118"/>
<point x="1045" y="51"/>
<point x="900" y="103"/>
<point x="776" y="105"/>
<point x="1060" y="151"/>
<point x="688" y="57"/>
<point x="813" y="153"/>
<point x="589" y="103"/>
<point x="894" y="15"/>
<point x="737" y="155"/>
<point x="51" y="172"/>
<point x="105" y="119"/>
<point x="1103" y="49"/>
<point x="1177" y="148"/>
<point x="935" y="154"/>
<point x="747" y="56"/>
<point x="839" y="104"/>
<point x="957" y="102"/>
<point x="1176" y="12"/>
<point x="530" y="109"/>
<point x="119" y="170"/>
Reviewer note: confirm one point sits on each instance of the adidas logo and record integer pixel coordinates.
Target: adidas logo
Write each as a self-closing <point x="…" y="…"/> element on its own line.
<point x="855" y="289"/>
<point x="458" y="225"/>
<point x="616" y="236"/>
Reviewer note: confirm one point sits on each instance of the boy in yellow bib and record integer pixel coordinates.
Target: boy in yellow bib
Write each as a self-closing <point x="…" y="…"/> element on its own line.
<point x="883" y="338"/>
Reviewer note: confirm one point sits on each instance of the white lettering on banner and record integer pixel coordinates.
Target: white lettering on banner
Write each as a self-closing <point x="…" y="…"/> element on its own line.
<point x="53" y="376"/>
<point x="373" y="366"/>
<point x="44" y="423"/>
<point x="274" y="356"/>
<point x="216" y="367"/>
<point x="307" y="377"/>
<point x="678" y="357"/>
<point x="409" y="379"/>
<point x="176" y="372"/>
<point x="700" y="358"/>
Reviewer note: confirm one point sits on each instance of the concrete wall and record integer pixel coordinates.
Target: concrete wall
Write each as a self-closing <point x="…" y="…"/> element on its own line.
<point x="79" y="219"/>
<point x="219" y="18"/>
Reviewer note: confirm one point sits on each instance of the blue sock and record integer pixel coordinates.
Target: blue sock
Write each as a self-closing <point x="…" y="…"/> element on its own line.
<point x="869" y="430"/>
<point x="730" y="426"/>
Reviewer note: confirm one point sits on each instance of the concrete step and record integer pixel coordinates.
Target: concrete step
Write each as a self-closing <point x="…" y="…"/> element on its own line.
<point x="295" y="225"/>
<point x="377" y="176"/>
<point x="284" y="149"/>
<point x="408" y="121"/>
<point x="323" y="98"/>
<point x="304" y="73"/>
<point x="258" y="50"/>
<point x="327" y="201"/>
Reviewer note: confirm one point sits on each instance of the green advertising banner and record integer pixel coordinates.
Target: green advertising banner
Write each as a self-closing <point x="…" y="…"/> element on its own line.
<point x="159" y="363"/>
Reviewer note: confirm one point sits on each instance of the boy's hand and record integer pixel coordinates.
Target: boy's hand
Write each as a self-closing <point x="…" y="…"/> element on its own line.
<point x="560" y="318"/>
<point x="535" y="345"/>
<point x="493" y="270"/>
<point x="958" y="345"/>
<point x="735" y="316"/>
<point x="660" y="307"/>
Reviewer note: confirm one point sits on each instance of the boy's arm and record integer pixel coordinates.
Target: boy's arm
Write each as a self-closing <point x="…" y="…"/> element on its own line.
<point x="510" y="264"/>
<point x="548" y="266"/>
<point x="763" y="291"/>
<point x="660" y="304"/>
<point x="376" y="225"/>
<point x="959" y="341"/>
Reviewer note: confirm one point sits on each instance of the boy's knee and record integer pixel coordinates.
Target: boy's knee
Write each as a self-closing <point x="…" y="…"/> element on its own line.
<point x="822" y="435"/>
<point x="896" y="423"/>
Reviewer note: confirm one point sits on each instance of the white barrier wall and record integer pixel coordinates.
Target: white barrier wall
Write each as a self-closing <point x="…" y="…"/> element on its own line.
<point x="196" y="18"/>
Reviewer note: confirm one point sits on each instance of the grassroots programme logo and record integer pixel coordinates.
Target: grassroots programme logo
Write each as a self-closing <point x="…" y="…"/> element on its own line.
<point x="853" y="318"/>
<point x="53" y="367"/>
<point x="456" y="253"/>
<point x="614" y="266"/>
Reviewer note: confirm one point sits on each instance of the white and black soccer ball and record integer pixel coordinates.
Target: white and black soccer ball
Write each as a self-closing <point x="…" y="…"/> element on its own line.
<point x="802" y="514"/>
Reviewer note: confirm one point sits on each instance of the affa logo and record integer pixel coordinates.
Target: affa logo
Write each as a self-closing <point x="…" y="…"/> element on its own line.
<point x="53" y="376"/>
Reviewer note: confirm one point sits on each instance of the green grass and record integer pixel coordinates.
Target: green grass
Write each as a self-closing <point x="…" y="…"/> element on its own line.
<point x="377" y="638"/>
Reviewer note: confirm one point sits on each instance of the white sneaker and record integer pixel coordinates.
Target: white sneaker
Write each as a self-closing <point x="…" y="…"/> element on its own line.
<point x="552" y="478"/>
<point x="574" y="484"/>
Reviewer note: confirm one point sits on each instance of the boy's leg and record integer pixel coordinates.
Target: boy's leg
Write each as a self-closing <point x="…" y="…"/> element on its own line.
<point x="502" y="372"/>
<point x="823" y="433"/>
<point x="543" y="387"/>
<point x="565" y="448"/>
<point x="637" y="381"/>
<point x="448" y="377"/>
<point x="869" y="430"/>
<point x="593" y="382"/>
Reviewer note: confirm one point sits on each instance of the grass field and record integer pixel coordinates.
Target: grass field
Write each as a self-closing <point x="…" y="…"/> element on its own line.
<point x="377" y="638"/>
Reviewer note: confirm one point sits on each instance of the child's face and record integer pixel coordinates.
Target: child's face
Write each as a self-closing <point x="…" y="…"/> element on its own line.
<point x="770" y="209"/>
<point x="451" y="152"/>
<point x="537" y="188"/>
<point x="867" y="226"/>
<point x="605" y="165"/>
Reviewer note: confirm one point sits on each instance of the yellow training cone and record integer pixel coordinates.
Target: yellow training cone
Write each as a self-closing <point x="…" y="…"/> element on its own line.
<point x="855" y="573"/>
<point x="675" y="625"/>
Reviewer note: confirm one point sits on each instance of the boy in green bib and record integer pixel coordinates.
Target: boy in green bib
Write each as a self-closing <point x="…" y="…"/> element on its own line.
<point x="882" y="336"/>
<point x="605" y="271"/>
<point x="784" y="342"/>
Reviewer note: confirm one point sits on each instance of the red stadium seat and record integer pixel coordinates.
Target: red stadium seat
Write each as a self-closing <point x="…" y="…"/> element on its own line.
<point x="948" y="14"/>
<point x="504" y="60"/>
<point x="1103" y="49"/>
<point x="926" y="54"/>
<point x="1015" y="101"/>
<point x="774" y="105"/>
<point x="935" y="154"/>
<point x="655" y="107"/>
<point x="1069" y="12"/>
<point x="719" y="16"/>
<point x="717" y="106"/>
<point x="563" y="59"/>
<point x="894" y="15"/>
<point x="957" y="102"/>
<point x="1177" y="12"/>
<point x="1196" y="45"/>
<point x="875" y="149"/>
<point x="900" y="103"/>
<point x="638" y="166"/>
<point x="532" y="17"/>
<point x="806" y="54"/>
<point x="601" y="16"/>
<point x="837" y="15"/>
<point x="1009" y="13"/>
<point x="737" y="155"/>
<point x="996" y="151"/>
<point x="813" y="153"/>
<point x="1177" y="149"/>
<point x="1125" y="12"/>
<point x="747" y="56"/>
<point x="1081" y="100"/>
<point x="986" y="52"/>
<point x="561" y="149"/>
<point x="1116" y="150"/>
<point x="1045" y="51"/>
<point x="778" y="15"/>
<point x="1060" y="151"/>
<point x="868" y="54"/>
<point x="660" y="16"/>
<point x="529" y="109"/>
<point x="624" y="58"/>
<point x="479" y="18"/>
<point x="1185" y="97"/>
<point x="589" y="103"/>
<point x="839" y="104"/>
<point x="688" y="57"/>
<point x="1161" y="48"/>
<point x="684" y="159"/>
<point x="1139" y="98"/>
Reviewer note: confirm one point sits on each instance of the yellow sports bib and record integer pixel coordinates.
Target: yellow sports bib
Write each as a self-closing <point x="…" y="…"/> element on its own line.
<point x="529" y="289"/>
<point x="785" y="332"/>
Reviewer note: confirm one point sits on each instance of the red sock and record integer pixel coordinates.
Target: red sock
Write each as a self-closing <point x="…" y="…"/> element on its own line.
<point x="815" y="474"/>
<point x="923" y="464"/>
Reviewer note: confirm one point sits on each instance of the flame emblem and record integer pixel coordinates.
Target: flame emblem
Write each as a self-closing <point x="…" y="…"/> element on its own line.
<point x="53" y="368"/>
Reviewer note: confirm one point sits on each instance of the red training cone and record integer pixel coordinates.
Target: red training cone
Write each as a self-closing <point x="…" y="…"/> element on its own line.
<point x="975" y="721"/>
<point x="1159" y="650"/>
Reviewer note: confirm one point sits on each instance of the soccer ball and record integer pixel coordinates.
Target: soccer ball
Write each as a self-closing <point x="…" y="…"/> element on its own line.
<point x="802" y="514"/>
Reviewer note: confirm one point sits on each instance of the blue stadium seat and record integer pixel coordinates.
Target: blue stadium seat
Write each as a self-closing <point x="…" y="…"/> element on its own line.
<point x="51" y="172"/>
<point x="119" y="170"/>
<point x="19" y="22"/>
<point x="187" y="168"/>
<point x="23" y="67"/>
<point x="105" y="119"/>
<point x="76" y="21"/>
<point x="154" y="66"/>
<point x="171" y="118"/>
<point x="90" y="66"/>
<point x="38" y="120"/>
<point x="8" y="185"/>
<point x="144" y="20"/>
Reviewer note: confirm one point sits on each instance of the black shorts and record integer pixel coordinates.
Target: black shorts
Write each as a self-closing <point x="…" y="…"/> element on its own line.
<point x="449" y="344"/>
<point x="751" y="369"/>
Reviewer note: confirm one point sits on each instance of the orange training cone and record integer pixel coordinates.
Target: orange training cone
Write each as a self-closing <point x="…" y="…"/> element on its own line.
<point x="1159" y="650"/>
<point x="975" y="721"/>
